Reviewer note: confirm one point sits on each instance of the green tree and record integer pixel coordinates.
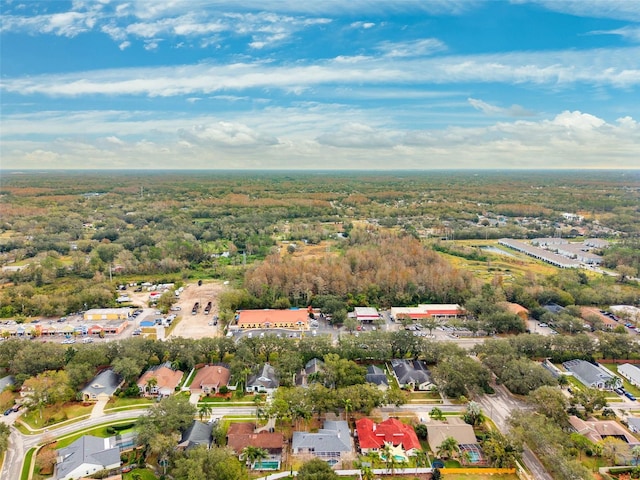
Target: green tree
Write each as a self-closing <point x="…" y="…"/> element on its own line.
<point x="473" y="414"/>
<point x="316" y="469"/>
<point x="251" y="455"/>
<point x="501" y="451"/>
<point x="591" y="399"/>
<point x="215" y="463"/>
<point x="447" y="448"/>
<point x="550" y="402"/>
<point x="436" y="414"/>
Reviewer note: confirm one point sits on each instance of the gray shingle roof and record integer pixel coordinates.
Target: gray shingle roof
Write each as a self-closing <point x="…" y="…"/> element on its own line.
<point x="265" y="378"/>
<point x="197" y="434"/>
<point x="376" y="376"/>
<point x="105" y="382"/>
<point x="587" y="373"/>
<point x="408" y="372"/>
<point x="87" y="450"/>
<point x="333" y="437"/>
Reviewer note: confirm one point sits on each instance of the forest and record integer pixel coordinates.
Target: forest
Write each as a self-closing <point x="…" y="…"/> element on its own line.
<point x="291" y="239"/>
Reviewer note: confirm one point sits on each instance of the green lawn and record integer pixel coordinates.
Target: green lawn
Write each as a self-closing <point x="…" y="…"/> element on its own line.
<point x="144" y="474"/>
<point x="26" y="466"/>
<point x="55" y="414"/>
<point x="117" y="402"/>
<point x="100" y="431"/>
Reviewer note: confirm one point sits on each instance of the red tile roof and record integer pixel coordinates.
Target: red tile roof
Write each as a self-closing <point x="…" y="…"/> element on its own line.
<point x="372" y="436"/>
<point x="241" y="435"/>
<point x="210" y="376"/>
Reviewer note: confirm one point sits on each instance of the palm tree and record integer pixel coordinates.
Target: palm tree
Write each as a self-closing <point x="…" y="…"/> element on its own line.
<point x="422" y="459"/>
<point x="348" y="406"/>
<point x="389" y="459"/>
<point x="448" y="446"/>
<point x="204" y="410"/>
<point x="151" y="383"/>
<point x="367" y="473"/>
<point x="251" y="455"/>
<point x="635" y="451"/>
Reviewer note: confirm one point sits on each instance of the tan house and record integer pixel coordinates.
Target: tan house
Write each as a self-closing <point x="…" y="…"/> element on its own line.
<point x="455" y="427"/>
<point x="597" y="430"/>
<point x="209" y="379"/>
<point x="160" y="381"/>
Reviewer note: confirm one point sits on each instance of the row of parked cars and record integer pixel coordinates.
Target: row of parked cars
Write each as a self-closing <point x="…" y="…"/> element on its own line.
<point x="622" y="391"/>
<point x="10" y="410"/>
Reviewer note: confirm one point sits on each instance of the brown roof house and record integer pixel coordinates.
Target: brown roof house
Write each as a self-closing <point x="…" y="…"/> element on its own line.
<point x="209" y="379"/>
<point x="245" y="434"/>
<point x="160" y="380"/>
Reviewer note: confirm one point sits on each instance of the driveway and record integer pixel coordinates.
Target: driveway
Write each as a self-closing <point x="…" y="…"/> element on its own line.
<point x="194" y="398"/>
<point x="98" y="409"/>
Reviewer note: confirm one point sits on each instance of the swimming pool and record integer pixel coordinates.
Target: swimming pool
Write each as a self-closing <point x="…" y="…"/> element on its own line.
<point x="267" y="465"/>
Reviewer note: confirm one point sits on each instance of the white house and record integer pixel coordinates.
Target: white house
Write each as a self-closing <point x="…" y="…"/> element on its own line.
<point x="630" y="372"/>
<point x="86" y="456"/>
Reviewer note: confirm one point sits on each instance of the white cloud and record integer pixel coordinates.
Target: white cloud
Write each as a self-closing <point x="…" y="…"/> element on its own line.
<point x="411" y="48"/>
<point x="604" y="67"/>
<point x="226" y="134"/>
<point x="67" y="24"/>
<point x="631" y="33"/>
<point x="124" y="45"/>
<point x="489" y="109"/>
<point x="316" y="136"/>
<point x="364" y="25"/>
<point x="615" y="9"/>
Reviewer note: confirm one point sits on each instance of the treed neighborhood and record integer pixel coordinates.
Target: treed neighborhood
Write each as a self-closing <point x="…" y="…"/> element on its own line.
<point x="358" y="348"/>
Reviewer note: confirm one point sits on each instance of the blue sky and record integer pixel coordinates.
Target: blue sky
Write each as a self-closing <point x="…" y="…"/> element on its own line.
<point x="333" y="84"/>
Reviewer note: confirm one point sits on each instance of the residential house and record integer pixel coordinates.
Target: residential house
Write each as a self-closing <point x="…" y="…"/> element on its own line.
<point x="377" y="376"/>
<point x="289" y="319"/>
<point x="454" y="427"/>
<point x="265" y="381"/>
<point x="244" y="434"/>
<point x="330" y="443"/>
<point x="312" y="369"/>
<point x="86" y="456"/>
<point x="196" y="435"/>
<point x="412" y="374"/>
<point x="590" y="375"/>
<point x="102" y="387"/>
<point x="631" y="372"/>
<point x="160" y="380"/>
<point x="598" y="430"/>
<point x="373" y="437"/>
<point x="209" y="379"/>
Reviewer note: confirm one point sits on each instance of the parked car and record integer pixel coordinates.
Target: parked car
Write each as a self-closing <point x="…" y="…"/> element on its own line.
<point x="619" y="391"/>
<point x="630" y="396"/>
<point x="8" y="411"/>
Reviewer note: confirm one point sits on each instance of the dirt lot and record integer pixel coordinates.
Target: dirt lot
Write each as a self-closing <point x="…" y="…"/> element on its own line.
<point x="192" y="326"/>
<point x="197" y="326"/>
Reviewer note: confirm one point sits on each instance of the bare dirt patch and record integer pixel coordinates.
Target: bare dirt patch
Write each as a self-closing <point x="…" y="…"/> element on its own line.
<point x="197" y="326"/>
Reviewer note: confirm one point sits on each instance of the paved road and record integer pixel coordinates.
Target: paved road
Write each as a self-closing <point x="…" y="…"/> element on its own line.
<point x="499" y="407"/>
